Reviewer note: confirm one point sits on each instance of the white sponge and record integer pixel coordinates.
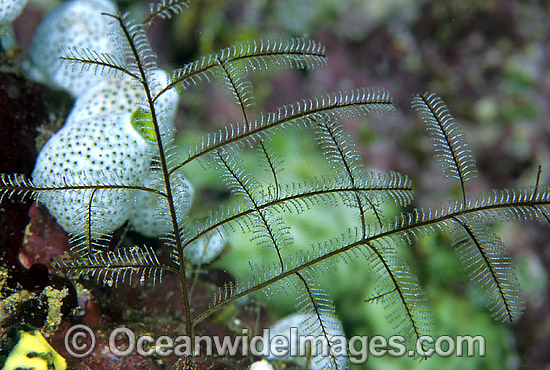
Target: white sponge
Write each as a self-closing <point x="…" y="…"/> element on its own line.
<point x="77" y="23"/>
<point x="151" y="215"/>
<point x="9" y="10"/>
<point x="206" y="249"/>
<point x="103" y="150"/>
<point x="109" y="136"/>
<point x="125" y="95"/>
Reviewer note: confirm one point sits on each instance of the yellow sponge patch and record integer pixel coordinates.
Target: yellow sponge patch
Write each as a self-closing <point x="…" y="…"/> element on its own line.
<point x="32" y="351"/>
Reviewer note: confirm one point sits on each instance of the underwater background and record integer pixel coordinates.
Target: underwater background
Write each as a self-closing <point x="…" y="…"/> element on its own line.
<point x="489" y="61"/>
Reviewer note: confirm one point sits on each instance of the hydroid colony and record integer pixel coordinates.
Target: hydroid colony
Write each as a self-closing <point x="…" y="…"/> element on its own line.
<point x="113" y="164"/>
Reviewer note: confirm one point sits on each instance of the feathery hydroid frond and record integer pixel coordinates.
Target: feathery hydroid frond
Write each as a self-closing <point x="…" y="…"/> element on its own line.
<point x="16" y="185"/>
<point x="140" y="59"/>
<point x="401" y="295"/>
<point x="299" y="197"/>
<point x="339" y="149"/>
<point x="335" y="105"/>
<point x="84" y="244"/>
<point x="165" y="9"/>
<point x="252" y="56"/>
<point x="320" y="321"/>
<point x="398" y="289"/>
<point x="488" y="263"/>
<point x="451" y="149"/>
<point x="522" y="204"/>
<point x="118" y="266"/>
<point x="235" y="84"/>
<point x="403" y="298"/>
<point x="269" y="229"/>
<point x="21" y="186"/>
<point x="85" y="59"/>
<point x="273" y="165"/>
